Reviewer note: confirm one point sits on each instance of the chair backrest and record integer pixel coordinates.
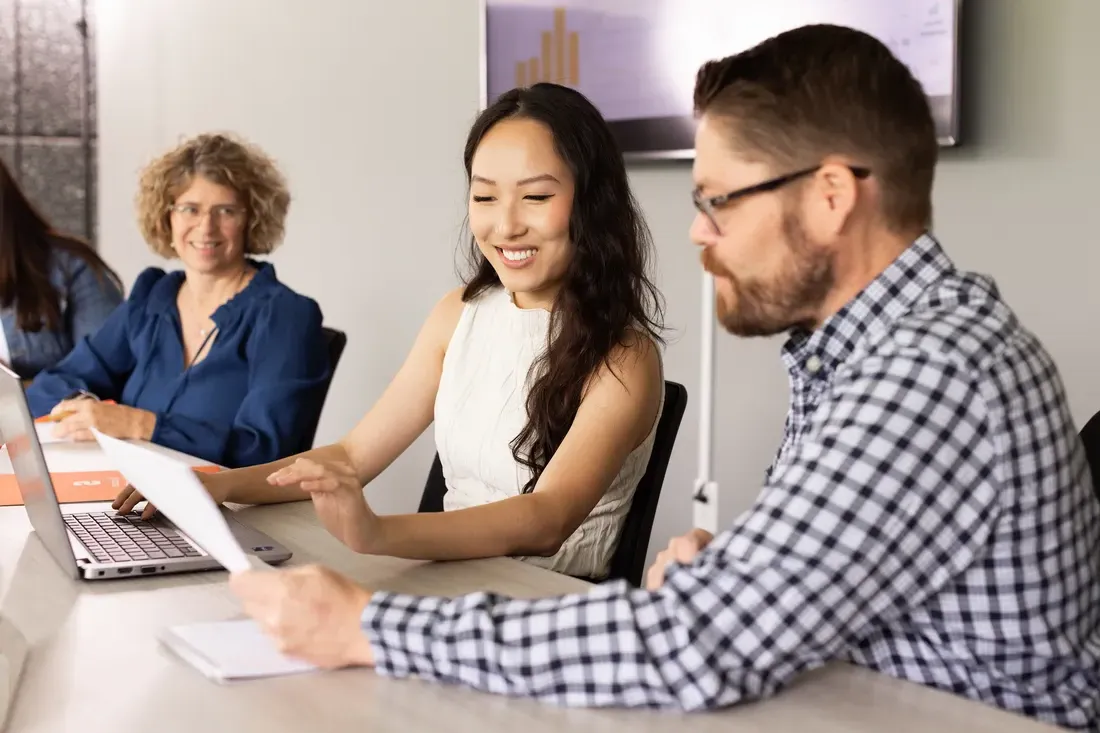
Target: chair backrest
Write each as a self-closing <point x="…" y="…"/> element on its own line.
<point x="335" y="341"/>
<point x="628" y="562"/>
<point x="434" y="489"/>
<point x="630" y="555"/>
<point x="1090" y="437"/>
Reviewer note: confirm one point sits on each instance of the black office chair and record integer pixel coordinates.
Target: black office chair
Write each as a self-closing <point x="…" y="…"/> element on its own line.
<point x="630" y="555"/>
<point x="1090" y="437"/>
<point x="335" y="341"/>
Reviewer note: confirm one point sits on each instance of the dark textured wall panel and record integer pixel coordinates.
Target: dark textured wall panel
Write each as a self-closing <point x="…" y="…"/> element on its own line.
<point x="7" y="154"/>
<point x="51" y="57"/>
<point x="41" y="113"/>
<point x="7" y="67"/>
<point x="53" y="177"/>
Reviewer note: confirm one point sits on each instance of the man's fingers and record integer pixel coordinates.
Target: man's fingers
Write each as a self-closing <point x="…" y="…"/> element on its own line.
<point x="656" y="575"/>
<point x="683" y="549"/>
<point x="701" y="537"/>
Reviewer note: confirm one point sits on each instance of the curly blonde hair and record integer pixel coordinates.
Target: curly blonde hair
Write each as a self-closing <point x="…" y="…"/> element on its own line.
<point x="226" y="161"/>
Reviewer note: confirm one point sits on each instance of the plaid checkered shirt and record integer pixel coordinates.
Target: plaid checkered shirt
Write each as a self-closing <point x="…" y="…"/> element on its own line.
<point x="929" y="515"/>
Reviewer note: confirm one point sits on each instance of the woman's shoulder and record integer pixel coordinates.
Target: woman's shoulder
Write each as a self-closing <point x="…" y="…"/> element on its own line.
<point x="636" y="361"/>
<point x="268" y="287"/>
<point x="70" y="256"/>
<point x="444" y="317"/>
<point x="155" y="284"/>
<point x="273" y="295"/>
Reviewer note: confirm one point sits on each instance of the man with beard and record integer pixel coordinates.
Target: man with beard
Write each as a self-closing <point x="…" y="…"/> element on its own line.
<point x="929" y="513"/>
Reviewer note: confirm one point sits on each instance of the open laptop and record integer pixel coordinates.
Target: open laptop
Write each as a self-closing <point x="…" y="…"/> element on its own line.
<point x="103" y="544"/>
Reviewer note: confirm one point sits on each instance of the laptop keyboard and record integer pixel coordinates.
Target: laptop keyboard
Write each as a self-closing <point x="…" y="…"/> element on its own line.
<point x="119" y="538"/>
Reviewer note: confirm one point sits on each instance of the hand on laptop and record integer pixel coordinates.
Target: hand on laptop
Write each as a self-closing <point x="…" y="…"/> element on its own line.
<point x="682" y="550"/>
<point x="130" y="497"/>
<point x="310" y="612"/>
<point x="337" y="496"/>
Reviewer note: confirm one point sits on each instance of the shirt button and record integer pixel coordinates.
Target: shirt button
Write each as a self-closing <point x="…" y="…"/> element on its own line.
<point x="813" y="365"/>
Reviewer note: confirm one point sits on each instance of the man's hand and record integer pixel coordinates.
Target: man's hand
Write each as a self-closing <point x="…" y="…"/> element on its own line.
<point x="118" y="421"/>
<point x="310" y="612"/>
<point x="681" y="550"/>
<point x="337" y="498"/>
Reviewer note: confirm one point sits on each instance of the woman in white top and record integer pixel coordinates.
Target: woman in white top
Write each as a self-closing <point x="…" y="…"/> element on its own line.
<point x="542" y="374"/>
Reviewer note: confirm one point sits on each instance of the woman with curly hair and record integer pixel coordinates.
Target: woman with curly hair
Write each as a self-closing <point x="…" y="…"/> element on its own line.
<point x="217" y="359"/>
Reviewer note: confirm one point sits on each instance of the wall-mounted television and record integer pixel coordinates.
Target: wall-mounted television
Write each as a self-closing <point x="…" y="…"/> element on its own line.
<point x="636" y="59"/>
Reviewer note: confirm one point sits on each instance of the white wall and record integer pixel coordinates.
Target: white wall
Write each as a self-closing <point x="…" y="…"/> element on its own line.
<point x="366" y="105"/>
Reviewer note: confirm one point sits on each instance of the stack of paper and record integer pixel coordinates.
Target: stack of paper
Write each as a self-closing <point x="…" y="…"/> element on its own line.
<point x="226" y="651"/>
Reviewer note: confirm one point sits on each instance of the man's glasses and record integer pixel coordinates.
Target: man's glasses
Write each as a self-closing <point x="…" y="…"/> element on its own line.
<point x="708" y="205"/>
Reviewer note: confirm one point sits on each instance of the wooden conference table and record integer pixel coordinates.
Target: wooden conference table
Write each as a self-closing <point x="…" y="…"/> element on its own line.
<point x="94" y="664"/>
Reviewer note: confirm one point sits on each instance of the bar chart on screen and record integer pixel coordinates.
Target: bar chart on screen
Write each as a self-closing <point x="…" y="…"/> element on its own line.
<point x="602" y="48"/>
<point x="636" y="60"/>
<point x="558" y="60"/>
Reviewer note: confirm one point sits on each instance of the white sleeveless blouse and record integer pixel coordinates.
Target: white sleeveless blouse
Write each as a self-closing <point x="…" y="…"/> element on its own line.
<point x="481" y="407"/>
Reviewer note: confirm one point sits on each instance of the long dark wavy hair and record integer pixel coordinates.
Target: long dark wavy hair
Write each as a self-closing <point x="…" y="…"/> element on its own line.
<point x="26" y="243"/>
<point x="607" y="292"/>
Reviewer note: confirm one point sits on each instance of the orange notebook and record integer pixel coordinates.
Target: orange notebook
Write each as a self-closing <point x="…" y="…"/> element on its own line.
<point x="76" y="486"/>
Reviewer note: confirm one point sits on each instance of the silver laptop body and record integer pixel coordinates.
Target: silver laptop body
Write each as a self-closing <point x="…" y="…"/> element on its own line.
<point x="99" y="545"/>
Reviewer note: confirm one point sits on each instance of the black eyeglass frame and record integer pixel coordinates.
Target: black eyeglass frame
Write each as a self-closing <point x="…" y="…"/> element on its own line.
<point x="708" y="205"/>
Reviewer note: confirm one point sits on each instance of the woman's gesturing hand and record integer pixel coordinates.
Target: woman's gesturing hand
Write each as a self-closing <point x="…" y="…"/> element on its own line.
<point x="337" y="498"/>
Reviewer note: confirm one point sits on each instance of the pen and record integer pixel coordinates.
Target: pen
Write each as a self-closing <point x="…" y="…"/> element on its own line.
<point x="55" y="418"/>
<point x="62" y="415"/>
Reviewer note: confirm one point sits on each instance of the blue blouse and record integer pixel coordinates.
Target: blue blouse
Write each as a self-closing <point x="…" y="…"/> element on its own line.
<point x="87" y="298"/>
<point x="254" y="398"/>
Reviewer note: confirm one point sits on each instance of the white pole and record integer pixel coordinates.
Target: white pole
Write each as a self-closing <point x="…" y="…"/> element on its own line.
<point x="705" y="491"/>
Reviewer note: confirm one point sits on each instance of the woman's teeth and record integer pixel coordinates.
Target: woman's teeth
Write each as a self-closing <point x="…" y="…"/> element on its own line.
<point x="517" y="255"/>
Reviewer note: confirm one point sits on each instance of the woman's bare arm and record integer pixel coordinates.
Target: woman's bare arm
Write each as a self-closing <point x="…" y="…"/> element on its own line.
<point x="401" y="414"/>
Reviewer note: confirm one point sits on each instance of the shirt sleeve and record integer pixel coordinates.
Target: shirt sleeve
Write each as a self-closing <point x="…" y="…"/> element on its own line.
<point x="288" y="369"/>
<point x="887" y="497"/>
<point x="99" y="363"/>
<point x="93" y="296"/>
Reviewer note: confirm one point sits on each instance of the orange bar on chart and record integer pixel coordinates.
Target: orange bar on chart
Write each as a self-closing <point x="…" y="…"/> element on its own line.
<point x="574" y="59"/>
<point x="559" y="45"/>
<point x="547" y="55"/>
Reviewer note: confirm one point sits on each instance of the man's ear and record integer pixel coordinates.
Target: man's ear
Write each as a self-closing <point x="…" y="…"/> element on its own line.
<point x="831" y="199"/>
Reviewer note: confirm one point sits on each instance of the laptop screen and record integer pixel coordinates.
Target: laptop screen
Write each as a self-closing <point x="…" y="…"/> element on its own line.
<point x="17" y="432"/>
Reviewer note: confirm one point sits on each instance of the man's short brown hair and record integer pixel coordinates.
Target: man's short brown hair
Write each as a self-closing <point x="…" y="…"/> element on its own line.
<point x="824" y="90"/>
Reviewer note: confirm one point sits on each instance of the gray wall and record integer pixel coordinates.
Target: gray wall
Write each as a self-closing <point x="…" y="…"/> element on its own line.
<point x="366" y="105"/>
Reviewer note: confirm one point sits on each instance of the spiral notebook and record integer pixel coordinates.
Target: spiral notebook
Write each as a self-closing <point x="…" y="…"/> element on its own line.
<point x="230" y="651"/>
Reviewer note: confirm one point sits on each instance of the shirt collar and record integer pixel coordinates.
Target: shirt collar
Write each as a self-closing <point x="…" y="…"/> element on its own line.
<point x="890" y="295"/>
<point x="162" y="299"/>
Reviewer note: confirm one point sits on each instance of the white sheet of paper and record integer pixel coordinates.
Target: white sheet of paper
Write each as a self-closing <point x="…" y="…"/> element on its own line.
<point x="225" y="651"/>
<point x="175" y="490"/>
